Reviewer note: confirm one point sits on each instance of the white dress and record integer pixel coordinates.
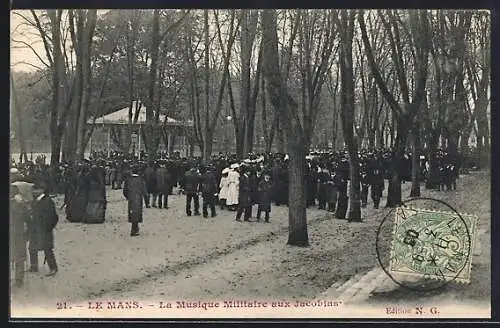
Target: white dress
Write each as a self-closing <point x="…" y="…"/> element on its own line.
<point x="233" y="190"/>
<point x="223" y="185"/>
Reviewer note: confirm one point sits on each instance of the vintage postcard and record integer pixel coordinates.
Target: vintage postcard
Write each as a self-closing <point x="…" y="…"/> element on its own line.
<point x="250" y="163"/>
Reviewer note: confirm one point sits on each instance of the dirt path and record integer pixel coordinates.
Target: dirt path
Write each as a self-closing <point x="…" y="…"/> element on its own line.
<point x="177" y="257"/>
<point x="96" y="259"/>
<point x="270" y="270"/>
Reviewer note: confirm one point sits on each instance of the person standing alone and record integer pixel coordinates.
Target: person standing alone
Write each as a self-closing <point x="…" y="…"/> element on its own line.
<point x="265" y="194"/>
<point x="134" y="191"/>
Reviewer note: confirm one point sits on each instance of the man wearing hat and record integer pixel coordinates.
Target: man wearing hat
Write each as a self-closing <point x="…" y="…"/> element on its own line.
<point x="163" y="184"/>
<point x="191" y="188"/>
<point x="40" y="229"/>
<point x="150" y="178"/>
<point x="376" y="181"/>
<point x="134" y="191"/>
<point x="245" y="195"/>
<point x="208" y="186"/>
<point x="342" y="198"/>
<point x="264" y="196"/>
<point x="19" y="215"/>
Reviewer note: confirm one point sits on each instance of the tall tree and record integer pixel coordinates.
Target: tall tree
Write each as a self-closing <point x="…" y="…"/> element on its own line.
<point x="346" y="27"/>
<point x="249" y="19"/>
<point x="298" y="121"/>
<point x="288" y="110"/>
<point x="420" y="39"/>
<point x="84" y="52"/>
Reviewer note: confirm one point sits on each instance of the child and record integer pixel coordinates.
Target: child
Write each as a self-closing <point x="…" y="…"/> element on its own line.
<point x="223" y="188"/>
<point x="265" y="193"/>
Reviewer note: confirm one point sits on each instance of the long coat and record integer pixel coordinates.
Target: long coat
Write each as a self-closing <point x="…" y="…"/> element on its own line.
<point x="265" y="192"/>
<point x="19" y="214"/>
<point x="163" y="180"/>
<point x="77" y="206"/>
<point x="134" y="191"/>
<point x="191" y="182"/>
<point x="377" y="183"/>
<point x="44" y="220"/>
<point x="245" y="194"/>
<point x="150" y="178"/>
<point x="233" y="180"/>
<point x="331" y="191"/>
<point x="96" y="206"/>
<point x="224" y="187"/>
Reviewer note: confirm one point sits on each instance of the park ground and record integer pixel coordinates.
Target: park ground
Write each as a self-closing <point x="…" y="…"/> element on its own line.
<point x="196" y="259"/>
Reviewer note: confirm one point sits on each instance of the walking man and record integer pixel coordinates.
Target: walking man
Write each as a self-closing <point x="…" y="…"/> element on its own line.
<point x="134" y="191"/>
<point x="40" y="229"/>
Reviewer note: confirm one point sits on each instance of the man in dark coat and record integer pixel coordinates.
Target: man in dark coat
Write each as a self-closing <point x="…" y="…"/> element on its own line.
<point x="19" y="215"/>
<point x="245" y="196"/>
<point x="191" y="188"/>
<point x="134" y="191"/>
<point x="311" y="180"/>
<point x="365" y="184"/>
<point x="342" y="202"/>
<point x="163" y="184"/>
<point x="150" y="178"/>
<point x="209" y="191"/>
<point x="40" y="228"/>
<point x="278" y="188"/>
<point x="377" y="184"/>
<point x="323" y="178"/>
<point x="332" y="194"/>
<point x="78" y="195"/>
<point x="264" y="189"/>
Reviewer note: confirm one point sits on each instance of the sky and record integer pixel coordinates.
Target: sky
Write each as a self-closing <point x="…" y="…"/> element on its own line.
<point x="18" y="54"/>
<point x="21" y="56"/>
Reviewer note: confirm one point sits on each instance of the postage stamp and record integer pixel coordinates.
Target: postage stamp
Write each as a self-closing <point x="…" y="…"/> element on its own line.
<point x="433" y="244"/>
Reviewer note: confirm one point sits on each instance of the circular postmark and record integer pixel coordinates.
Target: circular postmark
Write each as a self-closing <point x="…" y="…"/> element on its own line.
<point x="425" y="244"/>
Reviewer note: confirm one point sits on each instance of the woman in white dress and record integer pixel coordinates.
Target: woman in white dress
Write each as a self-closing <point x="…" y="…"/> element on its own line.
<point x="223" y="188"/>
<point x="233" y="181"/>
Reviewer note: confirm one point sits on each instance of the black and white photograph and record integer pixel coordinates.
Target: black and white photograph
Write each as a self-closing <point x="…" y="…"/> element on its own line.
<point x="250" y="163"/>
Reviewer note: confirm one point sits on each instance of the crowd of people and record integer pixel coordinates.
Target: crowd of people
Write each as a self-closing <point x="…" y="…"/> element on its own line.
<point x="225" y="184"/>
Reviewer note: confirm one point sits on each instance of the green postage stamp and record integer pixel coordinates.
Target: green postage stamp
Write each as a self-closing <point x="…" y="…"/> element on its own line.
<point x="432" y="244"/>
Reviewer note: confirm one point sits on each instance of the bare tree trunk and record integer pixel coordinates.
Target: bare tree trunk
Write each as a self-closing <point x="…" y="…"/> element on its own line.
<point x="207" y="145"/>
<point x="245" y="54"/>
<point x="58" y="113"/>
<point x="151" y="127"/>
<point x="285" y="106"/>
<point x="86" y="79"/>
<point x="18" y="112"/>
<point x="346" y="24"/>
<point x="297" y="201"/>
